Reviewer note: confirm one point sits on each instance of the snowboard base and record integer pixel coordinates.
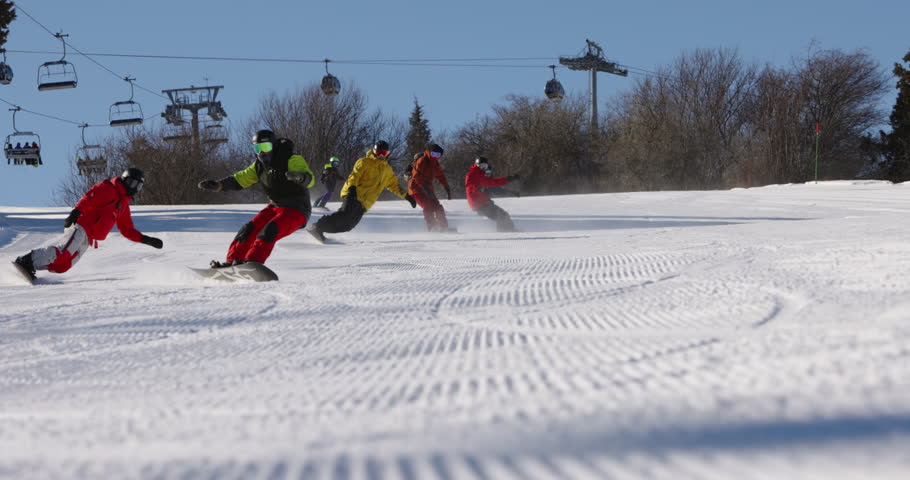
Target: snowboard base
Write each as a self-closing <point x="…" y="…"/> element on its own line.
<point x="245" y="272"/>
<point x="28" y="277"/>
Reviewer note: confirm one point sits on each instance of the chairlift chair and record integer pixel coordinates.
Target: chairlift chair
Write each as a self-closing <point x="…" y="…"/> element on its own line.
<point x="176" y="132"/>
<point x="22" y="148"/>
<point x="214" y="134"/>
<point x="553" y="89"/>
<point x="331" y="86"/>
<point x="126" y="112"/>
<point x="59" y="74"/>
<point x="90" y="159"/>
<point x="27" y="154"/>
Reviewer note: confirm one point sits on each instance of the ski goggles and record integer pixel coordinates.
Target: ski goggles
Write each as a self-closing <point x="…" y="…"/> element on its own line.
<point x="133" y="184"/>
<point x="264" y="147"/>
<point x="435" y="154"/>
<point x="382" y="153"/>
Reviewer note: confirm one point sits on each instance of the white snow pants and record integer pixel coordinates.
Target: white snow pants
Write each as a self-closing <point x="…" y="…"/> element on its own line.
<point x="59" y="258"/>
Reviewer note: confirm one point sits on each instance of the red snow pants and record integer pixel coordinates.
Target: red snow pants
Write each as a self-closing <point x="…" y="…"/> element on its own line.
<point x="256" y="239"/>
<point x="433" y="213"/>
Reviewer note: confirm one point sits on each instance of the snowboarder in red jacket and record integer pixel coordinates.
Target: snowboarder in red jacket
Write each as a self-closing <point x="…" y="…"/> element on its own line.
<point x="475" y="182"/>
<point x="420" y="186"/>
<point x="104" y="205"/>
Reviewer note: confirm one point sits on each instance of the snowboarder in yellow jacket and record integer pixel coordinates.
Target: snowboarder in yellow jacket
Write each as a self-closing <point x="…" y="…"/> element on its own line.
<point x="370" y="176"/>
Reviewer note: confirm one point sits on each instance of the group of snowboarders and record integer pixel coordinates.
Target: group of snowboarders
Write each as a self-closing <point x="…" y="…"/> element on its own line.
<point x="285" y="177"/>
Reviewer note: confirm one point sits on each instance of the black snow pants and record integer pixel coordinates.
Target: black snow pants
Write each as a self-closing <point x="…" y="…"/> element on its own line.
<point x="496" y="213"/>
<point x="344" y="219"/>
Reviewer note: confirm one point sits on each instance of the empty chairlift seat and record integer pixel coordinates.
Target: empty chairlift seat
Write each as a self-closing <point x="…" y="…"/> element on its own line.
<point x="56" y="75"/>
<point x="125" y="113"/>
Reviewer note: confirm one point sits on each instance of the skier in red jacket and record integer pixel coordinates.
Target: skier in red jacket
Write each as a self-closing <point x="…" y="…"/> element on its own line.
<point x="420" y="186"/>
<point x="475" y="182"/>
<point x="105" y="204"/>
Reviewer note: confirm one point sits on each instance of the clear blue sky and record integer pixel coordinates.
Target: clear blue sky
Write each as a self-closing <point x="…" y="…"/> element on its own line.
<point x="641" y="34"/>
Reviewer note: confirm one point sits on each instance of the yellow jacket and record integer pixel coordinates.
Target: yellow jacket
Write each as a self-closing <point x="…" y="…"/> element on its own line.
<point x="370" y="175"/>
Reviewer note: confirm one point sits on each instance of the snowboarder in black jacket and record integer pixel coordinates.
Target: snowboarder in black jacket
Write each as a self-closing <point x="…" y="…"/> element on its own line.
<point x="285" y="178"/>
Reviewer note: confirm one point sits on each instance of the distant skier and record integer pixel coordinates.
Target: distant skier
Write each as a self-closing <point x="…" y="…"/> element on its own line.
<point x="475" y="182"/>
<point x="104" y="205"/>
<point x="371" y="174"/>
<point x="329" y="178"/>
<point x="285" y="178"/>
<point x="420" y="186"/>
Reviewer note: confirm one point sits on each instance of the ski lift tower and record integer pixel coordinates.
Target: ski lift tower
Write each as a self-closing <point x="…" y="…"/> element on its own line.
<point x="193" y="100"/>
<point x="593" y="61"/>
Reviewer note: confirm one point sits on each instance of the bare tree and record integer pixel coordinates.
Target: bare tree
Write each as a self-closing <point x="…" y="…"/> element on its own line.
<point x="172" y="169"/>
<point x="542" y="141"/>
<point x="686" y="127"/>
<point x="843" y="93"/>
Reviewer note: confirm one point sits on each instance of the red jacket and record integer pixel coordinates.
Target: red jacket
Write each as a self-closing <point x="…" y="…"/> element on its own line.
<point x="103" y="205"/>
<point x="476" y="180"/>
<point x="426" y="169"/>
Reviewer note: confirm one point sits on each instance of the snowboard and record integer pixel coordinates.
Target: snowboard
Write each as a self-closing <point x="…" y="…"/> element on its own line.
<point x="316" y="235"/>
<point x="444" y="230"/>
<point x="25" y="275"/>
<point x="249" y="271"/>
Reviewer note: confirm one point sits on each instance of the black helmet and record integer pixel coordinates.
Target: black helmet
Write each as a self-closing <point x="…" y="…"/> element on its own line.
<point x="132" y="179"/>
<point x="380" y="145"/>
<point x="264" y="136"/>
<point x="482" y="163"/>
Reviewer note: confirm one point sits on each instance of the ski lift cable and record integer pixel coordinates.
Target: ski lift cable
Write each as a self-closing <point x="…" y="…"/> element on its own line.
<point x="400" y="62"/>
<point x="73" y="47"/>
<point x="387" y="62"/>
<point x="384" y="62"/>
<point x="49" y="116"/>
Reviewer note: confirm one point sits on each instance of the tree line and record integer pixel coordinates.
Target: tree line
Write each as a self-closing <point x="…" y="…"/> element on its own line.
<point x="710" y="120"/>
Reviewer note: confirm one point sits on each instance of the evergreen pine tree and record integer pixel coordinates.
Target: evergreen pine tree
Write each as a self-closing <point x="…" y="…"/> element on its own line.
<point x="897" y="143"/>
<point x="419" y="135"/>
<point x="7" y="15"/>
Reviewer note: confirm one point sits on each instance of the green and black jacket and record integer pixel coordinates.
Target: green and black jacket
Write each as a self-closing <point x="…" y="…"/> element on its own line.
<point x="281" y="191"/>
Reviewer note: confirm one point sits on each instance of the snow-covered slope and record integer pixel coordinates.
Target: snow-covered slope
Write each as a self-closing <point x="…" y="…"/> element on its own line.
<point x="753" y="333"/>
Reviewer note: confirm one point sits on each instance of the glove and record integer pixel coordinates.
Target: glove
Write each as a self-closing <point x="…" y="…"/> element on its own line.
<point x="410" y="200"/>
<point x="449" y="192"/>
<point x="213" y="185"/>
<point x="512" y="178"/>
<point x="71" y="218"/>
<point x="151" y="241"/>
<point x="352" y="192"/>
<point x="298" y="177"/>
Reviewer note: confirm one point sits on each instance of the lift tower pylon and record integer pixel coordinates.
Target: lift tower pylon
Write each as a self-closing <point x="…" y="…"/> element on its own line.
<point x="193" y="100"/>
<point x="593" y="61"/>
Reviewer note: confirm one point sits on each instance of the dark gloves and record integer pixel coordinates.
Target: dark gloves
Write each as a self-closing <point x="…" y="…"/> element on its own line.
<point x="302" y="178"/>
<point x="71" y="218"/>
<point x="213" y="185"/>
<point x="410" y="200"/>
<point x="151" y="241"/>
<point x="512" y="178"/>
<point x="449" y="192"/>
